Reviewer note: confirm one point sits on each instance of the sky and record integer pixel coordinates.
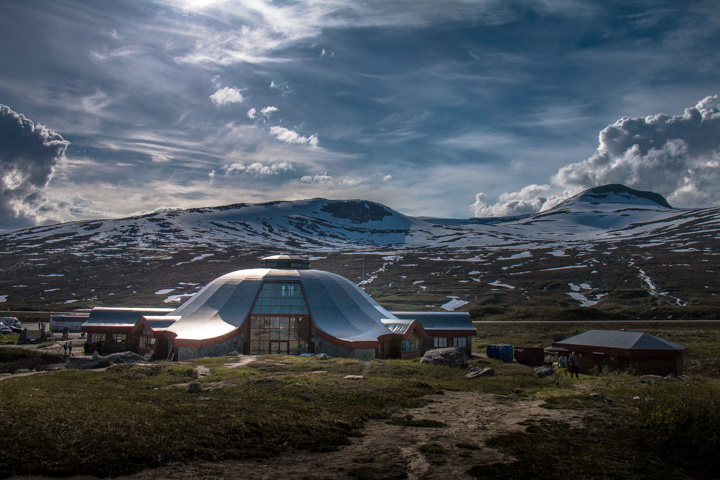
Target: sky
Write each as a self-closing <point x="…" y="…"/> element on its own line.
<point x="453" y="108"/>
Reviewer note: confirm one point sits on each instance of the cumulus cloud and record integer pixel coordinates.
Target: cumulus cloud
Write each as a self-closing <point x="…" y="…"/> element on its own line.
<point x="530" y="199"/>
<point x="291" y="136"/>
<point x="258" y="168"/>
<point x="677" y="156"/>
<point x="267" y="111"/>
<point x="226" y="96"/>
<point x="252" y="113"/>
<point x="322" y="178"/>
<point x="29" y="154"/>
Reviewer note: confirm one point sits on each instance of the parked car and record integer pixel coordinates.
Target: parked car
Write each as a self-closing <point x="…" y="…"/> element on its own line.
<point x="14" y="328"/>
<point x="10" y="322"/>
<point x="5" y="330"/>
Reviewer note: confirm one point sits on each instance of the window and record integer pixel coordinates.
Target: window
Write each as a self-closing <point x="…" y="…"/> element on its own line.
<point x="96" y="337"/>
<point x="412" y="345"/>
<point x="280" y="298"/>
<point x="279" y="334"/>
<point x="119" y="337"/>
<point x="440" y="342"/>
<point x="460" y="342"/>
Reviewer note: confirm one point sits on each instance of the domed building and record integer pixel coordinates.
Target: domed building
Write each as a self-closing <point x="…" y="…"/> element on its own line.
<point x="285" y="308"/>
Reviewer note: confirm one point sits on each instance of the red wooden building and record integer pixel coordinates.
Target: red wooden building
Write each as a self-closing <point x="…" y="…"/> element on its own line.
<point x="635" y="352"/>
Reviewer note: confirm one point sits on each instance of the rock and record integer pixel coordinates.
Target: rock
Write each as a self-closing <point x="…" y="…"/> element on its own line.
<point x="543" y="372"/>
<point x="125" y="357"/>
<point x="202" y="371"/>
<point x="353" y="377"/>
<point x="194" y="387"/>
<point x="322" y="356"/>
<point x="480" y="372"/>
<point x="22" y="370"/>
<point x="232" y="353"/>
<point x="452" y="356"/>
<point x="84" y="363"/>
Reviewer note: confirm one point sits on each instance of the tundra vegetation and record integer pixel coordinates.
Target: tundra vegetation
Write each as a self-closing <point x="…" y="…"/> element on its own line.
<point x="133" y="417"/>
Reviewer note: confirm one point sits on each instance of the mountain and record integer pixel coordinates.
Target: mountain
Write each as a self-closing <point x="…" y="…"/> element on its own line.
<point x="583" y="253"/>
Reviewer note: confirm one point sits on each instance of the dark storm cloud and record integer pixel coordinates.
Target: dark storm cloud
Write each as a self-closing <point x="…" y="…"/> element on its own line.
<point x="29" y="154"/>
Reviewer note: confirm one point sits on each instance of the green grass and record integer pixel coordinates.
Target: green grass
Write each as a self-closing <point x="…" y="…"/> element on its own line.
<point x="634" y="431"/>
<point x="12" y="359"/>
<point x="9" y="339"/>
<point x="133" y="417"/>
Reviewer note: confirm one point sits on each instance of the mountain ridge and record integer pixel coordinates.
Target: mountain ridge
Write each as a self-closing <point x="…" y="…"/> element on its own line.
<point x="581" y="254"/>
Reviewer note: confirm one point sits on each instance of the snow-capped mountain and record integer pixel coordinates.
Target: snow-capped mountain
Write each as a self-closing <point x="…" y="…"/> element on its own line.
<point x="97" y="262"/>
<point x="319" y="225"/>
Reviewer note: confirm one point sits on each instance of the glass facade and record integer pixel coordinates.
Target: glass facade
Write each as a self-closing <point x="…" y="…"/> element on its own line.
<point x="279" y="321"/>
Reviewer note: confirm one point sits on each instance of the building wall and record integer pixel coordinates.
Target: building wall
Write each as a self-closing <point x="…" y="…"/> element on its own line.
<point x="218" y="350"/>
<point x="641" y="365"/>
<point x="323" y="346"/>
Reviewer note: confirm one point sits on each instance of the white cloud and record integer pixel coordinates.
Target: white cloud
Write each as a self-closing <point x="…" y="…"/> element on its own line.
<point x="29" y="155"/>
<point x="267" y="111"/>
<point x="252" y="113"/>
<point x="322" y="178"/>
<point x="676" y="156"/>
<point x="258" y="168"/>
<point x="530" y="199"/>
<point x="290" y="136"/>
<point x="226" y="96"/>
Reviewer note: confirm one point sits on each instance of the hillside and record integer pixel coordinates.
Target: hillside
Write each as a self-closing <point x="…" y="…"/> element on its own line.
<point x="610" y="249"/>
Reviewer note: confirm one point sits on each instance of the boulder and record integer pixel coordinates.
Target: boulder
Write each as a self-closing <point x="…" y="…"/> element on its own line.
<point x="542" y="372"/>
<point x="322" y="356"/>
<point x="194" y="387"/>
<point x="478" y="372"/>
<point x="84" y="363"/>
<point x="453" y="356"/>
<point x="202" y="371"/>
<point x="125" y="357"/>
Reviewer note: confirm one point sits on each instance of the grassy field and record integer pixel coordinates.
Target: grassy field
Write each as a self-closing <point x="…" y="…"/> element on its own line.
<point x="129" y="418"/>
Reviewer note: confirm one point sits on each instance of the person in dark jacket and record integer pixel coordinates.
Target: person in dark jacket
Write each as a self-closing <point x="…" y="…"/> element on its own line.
<point x="573" y="363"/>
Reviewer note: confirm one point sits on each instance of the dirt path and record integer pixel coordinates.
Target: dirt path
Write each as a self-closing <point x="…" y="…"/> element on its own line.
<point x="393" y="452"/>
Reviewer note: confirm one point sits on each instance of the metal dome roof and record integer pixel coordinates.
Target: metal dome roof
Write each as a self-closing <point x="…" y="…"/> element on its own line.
<point x="338" y="307"/>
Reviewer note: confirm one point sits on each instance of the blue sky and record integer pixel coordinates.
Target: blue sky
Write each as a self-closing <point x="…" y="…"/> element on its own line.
<point x="452" y="108"/>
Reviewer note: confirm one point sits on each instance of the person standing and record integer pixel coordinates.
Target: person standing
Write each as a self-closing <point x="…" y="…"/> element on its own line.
<point x="573" y="362"/>
<point x="70" y="348"/>
<point x="65" y="347"/>
<point x="562" y="363"/>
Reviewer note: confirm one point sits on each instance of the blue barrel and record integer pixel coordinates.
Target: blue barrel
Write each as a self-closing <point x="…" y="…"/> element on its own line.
<point x="505" y="352"/>
<point x="501" y="351"/>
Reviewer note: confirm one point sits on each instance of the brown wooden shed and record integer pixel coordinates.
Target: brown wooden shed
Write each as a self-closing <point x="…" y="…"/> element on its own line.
<point x="635" y="352"/>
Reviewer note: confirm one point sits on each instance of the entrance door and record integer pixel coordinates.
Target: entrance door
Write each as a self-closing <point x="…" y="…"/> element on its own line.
<point x="279" y="347"/>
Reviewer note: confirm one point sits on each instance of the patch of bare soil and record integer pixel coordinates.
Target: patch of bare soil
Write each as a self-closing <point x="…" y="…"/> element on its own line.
<point x="387" y="451"/>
